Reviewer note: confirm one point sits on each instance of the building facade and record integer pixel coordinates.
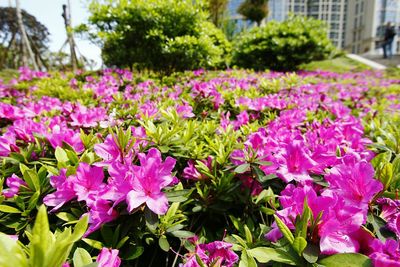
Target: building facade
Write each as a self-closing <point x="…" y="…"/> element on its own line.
<point x="354" y="25"/>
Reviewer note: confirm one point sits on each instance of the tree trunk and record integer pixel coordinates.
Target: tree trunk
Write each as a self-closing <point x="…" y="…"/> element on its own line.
<point x="25" y="43"/>
<point x="70" y="37"/>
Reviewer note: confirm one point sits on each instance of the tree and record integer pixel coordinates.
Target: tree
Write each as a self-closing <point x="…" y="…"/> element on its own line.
<point x="217" y="10"/>
<point x="11" y="39"/>
<point x="162" y="35"/>
<point x="254" y="10"/>
<point x="26" y="46"/>
<point x="283" y="46"/>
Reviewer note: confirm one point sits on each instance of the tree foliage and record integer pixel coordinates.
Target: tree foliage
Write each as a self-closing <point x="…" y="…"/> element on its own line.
<point x="163" y="35"/>
<point x="11" y="39"/>
<point x="217" y="10"/>
<point x="254" y="10"/>
<point x="283" y="46"/>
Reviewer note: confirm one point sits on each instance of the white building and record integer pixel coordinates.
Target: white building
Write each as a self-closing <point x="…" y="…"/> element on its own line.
<point x="354" y="25"/>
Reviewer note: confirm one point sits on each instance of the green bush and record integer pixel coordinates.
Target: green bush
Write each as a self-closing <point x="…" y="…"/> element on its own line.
<point x="162" y="35"/>
<point x="282" y="46"/>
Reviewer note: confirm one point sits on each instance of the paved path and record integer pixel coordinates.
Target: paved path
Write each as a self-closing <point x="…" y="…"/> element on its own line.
<point x="392" y="62"/>
<point x="371" y="63"/>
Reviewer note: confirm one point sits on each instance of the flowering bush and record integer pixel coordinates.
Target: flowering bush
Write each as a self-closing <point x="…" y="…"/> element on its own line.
<point x="226" y="168"/>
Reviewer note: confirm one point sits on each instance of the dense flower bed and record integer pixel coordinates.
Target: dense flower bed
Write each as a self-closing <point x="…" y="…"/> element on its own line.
<point x="200" y="169"/>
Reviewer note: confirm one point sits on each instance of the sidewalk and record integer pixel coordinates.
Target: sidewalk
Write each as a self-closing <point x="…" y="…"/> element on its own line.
<point x="392" y="62"/>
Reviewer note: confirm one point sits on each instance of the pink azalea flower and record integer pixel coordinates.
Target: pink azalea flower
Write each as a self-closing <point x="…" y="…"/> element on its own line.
<point x="25" y="128"/>
<point x="110" y="152"/>
<point x="13" y="183"/>
<point x="85" y="117"/>
<point x="88" y="182"/>
<point x="337" y="229"/>
<point x="64" y="191"/>
<point x="148" y="181"/>
<point x="59" y="135"/>
<point x="355" y="183"/>
<point x="391" y="214"/>
<point x="191" y="173"/>
<point x="7" y="144"/>
<point x="185" y="110"/>
<point x="241" y="119"/>
<point x="100" y="212"/>
<point x="108" y="258"/>
<point x="218" y="252"/>
<point x="295" y="163"/>
<point x="385" y="254"/>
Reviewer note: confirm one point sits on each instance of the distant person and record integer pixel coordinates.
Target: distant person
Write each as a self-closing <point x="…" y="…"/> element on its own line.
<point x="390" y="33"/>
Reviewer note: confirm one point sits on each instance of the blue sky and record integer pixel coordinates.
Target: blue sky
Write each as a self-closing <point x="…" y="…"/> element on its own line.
<point x="48" y="12"/>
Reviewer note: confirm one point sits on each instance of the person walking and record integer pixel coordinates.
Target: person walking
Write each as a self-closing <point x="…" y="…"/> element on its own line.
<point x="390" y="33"/>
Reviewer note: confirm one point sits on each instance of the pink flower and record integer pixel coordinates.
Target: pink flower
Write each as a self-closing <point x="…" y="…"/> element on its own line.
<point x="13" y="183"/>
<point x="295" y="163"/>
<point x="241" y="119"/>
<point x="385" y="254"/>
<point x="86" y="117"/>
<point x="59" y="135"/>
<point x="64" y="191"/>
<point x="148" y="180"/>
<point x="7" y="143"/>
<point x="108" y="258"/>
<point x="185" y="110"/>
<point x="218" y="252"/>
<point x="337" y="230"/>
<point x="88" y="182"/>
<point x="100" y="212"/>
<point x="354" y="182"/>
<point x="109" y="151"/>
<point x="391" y="214"/>
<point x="191" y="173"/>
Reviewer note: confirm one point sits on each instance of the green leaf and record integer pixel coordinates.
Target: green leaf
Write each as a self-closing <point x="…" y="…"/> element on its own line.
<point x="199" y="261"/>
<point x="264" y="255"/>
<point x="80" y="229"/>
<point x="247" y="260"/>
<point x="178" y="196"/>
<point x="11" y="254"/>
<point x="299" y="244"/>
<point x="32" y="179"/>
<point x="93" y="243"/>
<point x="81" y="258"/>
<point x="182" y="234"/>
<point x="311" y="253"/>
<point x="9" y="209"/>
<point x="66" y="217"/>
<point x="240" y="240"/>
<point x="249" y="236"/>
<point x="386" y="175"/>
<point x="41" y="238"/>
<point x="135" y="252"/>
<point x="163" y="243"/>
<point x="242" y="168"/>
<point x="346" y="260"/>
<point x="61" y="155"/>
<point x="284" y="229"/>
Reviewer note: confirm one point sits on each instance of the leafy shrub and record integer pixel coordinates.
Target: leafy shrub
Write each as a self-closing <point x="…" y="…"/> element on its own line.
<point x="165" y="35"/>
<point x="282" y="46"/>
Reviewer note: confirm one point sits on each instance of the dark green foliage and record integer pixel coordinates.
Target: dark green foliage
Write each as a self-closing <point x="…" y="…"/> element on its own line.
<point x="282" y="46"/>
<point x="11" y="40"/>
<point x="254" y="10"/>
<point x="163" y="35"/>
<point x="217" y="9"/>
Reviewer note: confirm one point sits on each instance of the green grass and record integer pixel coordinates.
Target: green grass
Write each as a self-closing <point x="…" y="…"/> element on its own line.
<point x="340" y="64"/>
<point x="8" y="74"/>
